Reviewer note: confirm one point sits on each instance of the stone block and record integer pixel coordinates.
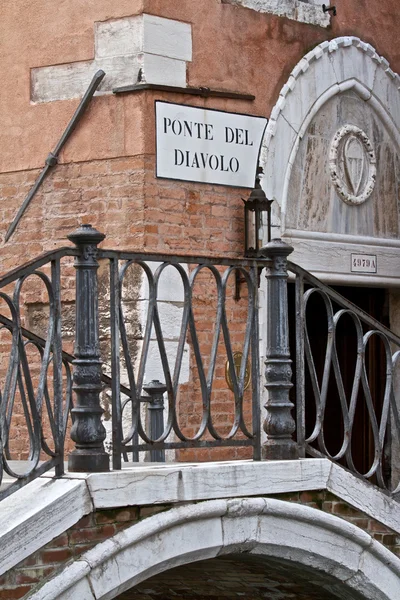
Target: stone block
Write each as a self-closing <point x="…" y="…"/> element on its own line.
<point x="154" y="369"/>
<point x="166" y="37"/>
<point x="38" y="513"/>
<point x="61" y="82"/>
<point x="160" y="47"/>
<point x="170" y="318"/>
<point x="119" y="37"/>
<point x="163" y="71"/>
<point x="309" y="11"/>
<point x="156" y="551"/>
<point x="120" y="71"/>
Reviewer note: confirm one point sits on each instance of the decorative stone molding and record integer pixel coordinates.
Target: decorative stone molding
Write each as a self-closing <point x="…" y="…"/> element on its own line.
<point x="331" y="68"/>
<point x="304" y="11"/>
<point x="269" y="527"/>
<point x="160" y="48"/>
<point x="47" y="507"/>
<point x="352" y="164"/>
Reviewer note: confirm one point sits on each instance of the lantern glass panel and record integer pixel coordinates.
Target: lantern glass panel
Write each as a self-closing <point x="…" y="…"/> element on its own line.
<point x="259" y="227"/>
<point x="251" y="236"/>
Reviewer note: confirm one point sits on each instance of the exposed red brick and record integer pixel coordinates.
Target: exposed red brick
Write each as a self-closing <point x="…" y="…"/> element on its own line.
<point x="91" y="534"/>
<point x="56" y="555"/>
<point x="14" y="593"/>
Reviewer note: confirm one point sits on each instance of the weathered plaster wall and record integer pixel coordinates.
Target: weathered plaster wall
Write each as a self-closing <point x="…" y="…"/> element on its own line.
<point x="262" y="49"/>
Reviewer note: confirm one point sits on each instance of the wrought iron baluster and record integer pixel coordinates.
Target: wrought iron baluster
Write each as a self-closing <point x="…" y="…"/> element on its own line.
<point x="87" y="432"/>
<point x="155" y="407"/>
<point x="279" y="424"/>
<point x="115" y="365"/>
<point x="300" y="364"/>
<point x="255" y="367"/>
<point x="57" y="369"/>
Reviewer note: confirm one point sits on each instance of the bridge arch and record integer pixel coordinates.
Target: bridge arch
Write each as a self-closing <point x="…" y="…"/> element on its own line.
<point x="356" y="566"/>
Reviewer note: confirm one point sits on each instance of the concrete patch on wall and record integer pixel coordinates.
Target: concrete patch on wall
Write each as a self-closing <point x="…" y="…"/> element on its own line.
<point x="305" y="11"/>
<point x="158" y="47"/>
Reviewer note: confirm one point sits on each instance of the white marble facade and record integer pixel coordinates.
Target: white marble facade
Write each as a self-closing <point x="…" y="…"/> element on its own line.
<point x="330" y="159"/>
<point x="304" y="11"/>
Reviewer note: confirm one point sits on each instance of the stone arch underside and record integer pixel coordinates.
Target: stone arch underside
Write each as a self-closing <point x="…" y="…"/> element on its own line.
<point x="354" y="565"/>
<point x="238" y="577"/>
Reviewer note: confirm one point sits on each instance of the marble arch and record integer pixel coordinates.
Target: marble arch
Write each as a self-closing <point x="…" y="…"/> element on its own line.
<point x="361" y="567"/>
<point x="333" y="69"/>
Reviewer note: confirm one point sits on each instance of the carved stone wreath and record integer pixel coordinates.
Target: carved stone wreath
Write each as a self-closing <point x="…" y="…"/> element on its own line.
<point x="352" y="164"/>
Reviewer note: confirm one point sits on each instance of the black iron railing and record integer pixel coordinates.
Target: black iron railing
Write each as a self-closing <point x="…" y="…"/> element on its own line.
<point x="345" y="396"/>
<point x="36" y="378"/>
<point x="166" y="365"/>
<point x="209" y="308"/>
<point x="119" y="326"/>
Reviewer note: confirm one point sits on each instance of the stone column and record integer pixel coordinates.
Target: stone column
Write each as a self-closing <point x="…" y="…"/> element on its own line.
<point x="87" y="431"/>
<point x="279" y="424"/>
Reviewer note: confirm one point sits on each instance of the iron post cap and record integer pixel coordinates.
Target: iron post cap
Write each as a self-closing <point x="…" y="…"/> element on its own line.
<point x="276" y="247"/>
<point x="86" y="234"/>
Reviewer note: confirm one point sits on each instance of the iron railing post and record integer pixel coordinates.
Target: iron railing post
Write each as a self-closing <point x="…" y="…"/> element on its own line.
<point x="87" y="430"/>
<point x="155" y="405"/>
<point x="279" y="424"/>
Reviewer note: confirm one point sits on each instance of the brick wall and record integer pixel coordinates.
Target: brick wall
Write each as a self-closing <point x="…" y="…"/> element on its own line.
<point x="136" y="211"/>
<point x="89" y="531"/>
<point x="238" y="577"/>
<point x="193" y="218"/>
<point x="103" y="524"/>
<point x="107" y="193"/>
<point x="329" y="503"/>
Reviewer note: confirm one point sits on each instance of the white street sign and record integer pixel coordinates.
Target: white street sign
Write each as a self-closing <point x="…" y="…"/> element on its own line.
<point x="209" y="146"/>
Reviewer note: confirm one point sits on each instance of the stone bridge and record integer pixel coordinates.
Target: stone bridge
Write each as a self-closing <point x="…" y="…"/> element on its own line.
<point x="303" y="529"/>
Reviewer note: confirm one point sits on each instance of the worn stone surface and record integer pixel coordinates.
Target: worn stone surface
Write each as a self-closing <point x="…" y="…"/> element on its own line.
<point x="36" y="515"/>
<point x="121" y="499"/>
<point x="338" y="84"/>
<point x="180" y="482"/>
<point x="298" y="10"/>
<point x="315" y="203"/>
<point x="339" y="558"/>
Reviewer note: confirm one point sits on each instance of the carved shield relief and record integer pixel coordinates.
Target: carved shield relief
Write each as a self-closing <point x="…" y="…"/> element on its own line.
<point x="352" y="164"/>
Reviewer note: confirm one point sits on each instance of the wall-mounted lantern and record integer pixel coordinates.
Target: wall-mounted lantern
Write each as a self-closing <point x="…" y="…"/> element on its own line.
<point x="254" y="208"/>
